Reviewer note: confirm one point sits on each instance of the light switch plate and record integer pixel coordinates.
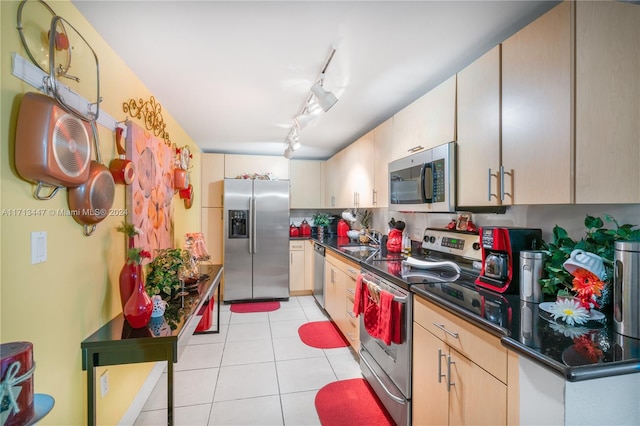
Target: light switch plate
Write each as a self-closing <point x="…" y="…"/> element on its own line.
<point x="104" y="383"/>
<point x="38" y="247"/>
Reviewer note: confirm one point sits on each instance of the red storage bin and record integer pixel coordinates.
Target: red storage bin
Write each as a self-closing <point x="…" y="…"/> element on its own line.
<point x="207" y="315"/>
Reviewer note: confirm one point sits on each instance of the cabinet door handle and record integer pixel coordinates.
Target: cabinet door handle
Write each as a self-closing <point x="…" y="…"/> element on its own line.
<point x="374" y="196"/>
<point x="415" y="148"/>
<point x="443" y="328"/>
<point x="440" y="375"/>
<point x="502" y="173"/>
<point x="291" y="258"/>
<point x="489" y="193"/>
<point x="449" y="382"/>
<point x="351" y="291"/>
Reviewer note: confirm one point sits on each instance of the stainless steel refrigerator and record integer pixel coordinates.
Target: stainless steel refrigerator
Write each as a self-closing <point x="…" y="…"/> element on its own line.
<point x="256" y="240"/>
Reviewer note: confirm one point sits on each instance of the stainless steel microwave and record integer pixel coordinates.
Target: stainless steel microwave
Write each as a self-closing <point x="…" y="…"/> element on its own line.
<point x="425" y="181"/>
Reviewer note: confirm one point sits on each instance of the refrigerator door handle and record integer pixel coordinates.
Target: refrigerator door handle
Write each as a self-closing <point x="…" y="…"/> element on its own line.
<point x="252" y="213"/>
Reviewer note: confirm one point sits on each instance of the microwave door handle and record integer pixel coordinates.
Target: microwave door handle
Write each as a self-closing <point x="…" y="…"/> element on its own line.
<point x="426" y="179"/>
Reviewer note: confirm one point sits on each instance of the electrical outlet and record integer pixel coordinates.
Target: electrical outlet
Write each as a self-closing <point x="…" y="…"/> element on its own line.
<point x="104" y="383"/>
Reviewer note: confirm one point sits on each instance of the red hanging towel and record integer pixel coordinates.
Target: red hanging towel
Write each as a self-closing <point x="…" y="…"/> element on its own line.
<point x="359" y="297"/>
<point x="385" y="322"/>
<point x="396" y="322"/>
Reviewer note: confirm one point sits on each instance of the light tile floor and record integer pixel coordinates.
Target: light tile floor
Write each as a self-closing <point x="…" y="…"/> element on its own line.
<point x="256" y="371"/>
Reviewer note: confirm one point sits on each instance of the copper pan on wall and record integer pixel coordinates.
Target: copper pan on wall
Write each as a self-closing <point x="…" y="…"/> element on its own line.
<point x="91" y="202"/>
<point x="52" y="147"/>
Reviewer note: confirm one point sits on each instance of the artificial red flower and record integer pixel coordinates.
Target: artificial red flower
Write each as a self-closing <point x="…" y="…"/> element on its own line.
<point x="586" y="283"/>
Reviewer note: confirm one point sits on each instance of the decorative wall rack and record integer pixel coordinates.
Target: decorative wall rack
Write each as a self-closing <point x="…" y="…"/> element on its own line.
<point x="151" y="113"/>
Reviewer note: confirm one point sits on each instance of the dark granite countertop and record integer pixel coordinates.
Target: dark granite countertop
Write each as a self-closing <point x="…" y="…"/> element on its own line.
<point x="588" y="351"/>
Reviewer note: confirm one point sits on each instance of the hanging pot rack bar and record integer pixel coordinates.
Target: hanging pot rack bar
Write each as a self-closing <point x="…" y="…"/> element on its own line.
<point x="36" y="78"/>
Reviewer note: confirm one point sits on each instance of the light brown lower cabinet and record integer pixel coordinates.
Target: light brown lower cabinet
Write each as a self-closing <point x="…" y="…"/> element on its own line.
<point x="340" y="283"/>
<point x="452" y="358"/>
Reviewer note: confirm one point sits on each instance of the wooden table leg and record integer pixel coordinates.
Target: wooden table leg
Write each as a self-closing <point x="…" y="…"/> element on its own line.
<point x="169" y="389"/>
<point x="91" y="393"/>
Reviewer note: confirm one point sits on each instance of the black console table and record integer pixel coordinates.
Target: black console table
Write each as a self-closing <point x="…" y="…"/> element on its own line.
<point x="117" y="342"/>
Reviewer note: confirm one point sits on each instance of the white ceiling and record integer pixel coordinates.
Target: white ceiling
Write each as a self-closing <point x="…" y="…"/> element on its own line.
<point x="235" y="73"/>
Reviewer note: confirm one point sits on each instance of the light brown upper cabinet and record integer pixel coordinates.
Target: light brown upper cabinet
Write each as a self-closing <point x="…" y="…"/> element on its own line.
<point x="537" y="129"/>
<point x="333" y="181"/>
<point x="383" y="142"/>
<point x="607" y="102"/>
<point x="479" y="131"/>
<point x="358" y="172"/>
<point x="307" y="184"/>
<point x="212" y="177"/>
<point x="349" y="175"/>
<point x="427" y="122"/>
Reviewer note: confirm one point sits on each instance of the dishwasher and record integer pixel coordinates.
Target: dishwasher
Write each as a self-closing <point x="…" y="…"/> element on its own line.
<point x="318" y="273"/>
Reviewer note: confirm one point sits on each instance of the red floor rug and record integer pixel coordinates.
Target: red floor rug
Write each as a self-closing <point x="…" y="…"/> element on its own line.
<point x="251" y="307"/>
<point x="322" y="335"/>
<point x="350" y="403"/>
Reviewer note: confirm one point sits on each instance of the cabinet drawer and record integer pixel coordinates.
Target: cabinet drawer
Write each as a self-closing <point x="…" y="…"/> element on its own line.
<point x="352" y="330"/>
<point x="296" y="245"/>
<point x="476" y="344"/>
<point x="345" y="265"/>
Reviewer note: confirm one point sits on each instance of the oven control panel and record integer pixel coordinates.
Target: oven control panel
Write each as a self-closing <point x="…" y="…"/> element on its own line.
<point x="463" y="244"/>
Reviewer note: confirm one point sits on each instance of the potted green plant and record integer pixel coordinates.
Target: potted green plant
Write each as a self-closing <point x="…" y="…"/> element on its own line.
<point x="365" y="217"/>
<point x="321" y="221"/>
<point x="163" y="277"/>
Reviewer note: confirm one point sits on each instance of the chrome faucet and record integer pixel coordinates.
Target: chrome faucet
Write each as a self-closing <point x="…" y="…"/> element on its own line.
<point x="374" y="236"/>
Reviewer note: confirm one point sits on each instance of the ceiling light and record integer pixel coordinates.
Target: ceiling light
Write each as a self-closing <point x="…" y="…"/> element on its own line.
<point x="319" y="99"/>
<point x="293" y="140"/>
<point x="288" y="152"/>
<point x="303" y="120"/>
<point x="325" y="99"/>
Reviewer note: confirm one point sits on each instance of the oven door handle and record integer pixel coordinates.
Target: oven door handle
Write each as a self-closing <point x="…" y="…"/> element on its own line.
<point x="400" y="299"/>
<point x="392" y="396"/>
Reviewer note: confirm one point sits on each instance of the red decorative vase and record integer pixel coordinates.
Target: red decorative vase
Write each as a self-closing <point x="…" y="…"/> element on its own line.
<point x="138" y="309"/>
<point x="129" y="276"/>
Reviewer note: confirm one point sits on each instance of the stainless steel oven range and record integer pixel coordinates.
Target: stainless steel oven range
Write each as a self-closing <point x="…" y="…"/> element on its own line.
<point x="449" y="265"/>
<point x="387" y="368"/>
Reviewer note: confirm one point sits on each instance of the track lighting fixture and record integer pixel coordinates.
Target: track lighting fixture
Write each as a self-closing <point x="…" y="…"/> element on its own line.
<point x="288" y="152"/>
<point x="318" y="98"/>
<point x="325" y="99"/>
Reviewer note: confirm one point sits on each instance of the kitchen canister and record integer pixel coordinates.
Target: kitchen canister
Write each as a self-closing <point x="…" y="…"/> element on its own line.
<point x="626" y="288"/>
<point x="531" y="269"/>
<point x="16" y="382"/>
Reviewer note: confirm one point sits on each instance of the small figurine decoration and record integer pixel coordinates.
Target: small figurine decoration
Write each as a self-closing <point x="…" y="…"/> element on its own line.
<point x="394" y="243"/>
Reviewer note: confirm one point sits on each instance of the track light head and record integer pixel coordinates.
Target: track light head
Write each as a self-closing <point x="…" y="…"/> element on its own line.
<point x="325" y="99"/>
<point x="288" y="152"/>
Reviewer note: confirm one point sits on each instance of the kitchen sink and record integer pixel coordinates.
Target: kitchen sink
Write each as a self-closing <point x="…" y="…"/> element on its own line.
<point x="361" y="251"/>
<point x="358" y="249"/>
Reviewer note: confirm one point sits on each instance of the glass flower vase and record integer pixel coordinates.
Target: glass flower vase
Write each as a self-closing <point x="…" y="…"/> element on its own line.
<point x="137" y="311"/>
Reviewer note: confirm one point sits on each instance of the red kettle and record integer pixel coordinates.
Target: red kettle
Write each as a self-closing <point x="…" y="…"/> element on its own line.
<point x="294" y="231"/>
<point x="343" y="228"/>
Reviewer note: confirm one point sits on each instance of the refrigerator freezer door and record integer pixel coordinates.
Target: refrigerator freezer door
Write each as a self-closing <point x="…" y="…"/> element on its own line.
<point x="237" y="253"/>
<point x="271" y="239"/>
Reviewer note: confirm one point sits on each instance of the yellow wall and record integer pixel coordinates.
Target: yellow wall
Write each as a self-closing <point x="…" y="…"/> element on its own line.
<point x="58" y="303"/>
